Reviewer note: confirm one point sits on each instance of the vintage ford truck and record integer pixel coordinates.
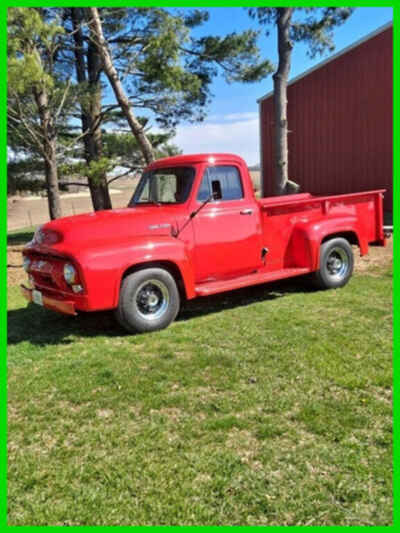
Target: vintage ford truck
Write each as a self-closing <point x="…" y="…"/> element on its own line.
<point x="193" y="228"/>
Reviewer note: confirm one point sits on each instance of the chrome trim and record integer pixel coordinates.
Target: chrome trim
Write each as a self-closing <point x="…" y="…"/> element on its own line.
<point x="151" y="299"/>
<point x="337" y="264"/>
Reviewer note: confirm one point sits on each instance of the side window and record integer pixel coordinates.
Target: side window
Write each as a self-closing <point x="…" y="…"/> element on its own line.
<point x="226" y="179"/>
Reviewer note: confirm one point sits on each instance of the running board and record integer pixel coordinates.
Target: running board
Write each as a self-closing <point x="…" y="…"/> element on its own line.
<point x="213" y="287"/>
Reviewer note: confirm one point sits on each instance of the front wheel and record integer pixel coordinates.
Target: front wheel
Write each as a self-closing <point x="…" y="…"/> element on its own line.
<point x="335" y="265"/>
<point x="149" y="300"/>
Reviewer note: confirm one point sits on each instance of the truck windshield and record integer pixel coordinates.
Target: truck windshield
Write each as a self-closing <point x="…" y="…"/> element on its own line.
<point x="164" y="186"/>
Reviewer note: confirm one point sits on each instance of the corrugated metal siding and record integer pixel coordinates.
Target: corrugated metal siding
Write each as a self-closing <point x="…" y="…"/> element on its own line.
<point x="340" y="123"/>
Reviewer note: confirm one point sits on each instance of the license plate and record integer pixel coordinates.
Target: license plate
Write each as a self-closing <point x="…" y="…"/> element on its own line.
<point x="37" y="297"/>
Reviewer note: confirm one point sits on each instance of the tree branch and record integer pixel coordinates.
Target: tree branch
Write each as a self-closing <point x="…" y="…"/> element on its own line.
<point x="19" y="117"/>
<point x="123" y="174"/>
<point x="64" y="96"/>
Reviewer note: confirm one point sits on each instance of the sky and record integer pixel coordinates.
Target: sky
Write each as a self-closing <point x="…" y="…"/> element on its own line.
<point x="232" y="121"/>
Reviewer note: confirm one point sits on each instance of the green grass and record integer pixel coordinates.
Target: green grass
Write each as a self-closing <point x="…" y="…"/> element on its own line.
<point x="20" y="236"/>
<point x="265" y="406"/>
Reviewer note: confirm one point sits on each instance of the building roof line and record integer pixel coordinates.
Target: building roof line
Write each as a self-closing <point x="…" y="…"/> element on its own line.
<point x="334" y="56"/>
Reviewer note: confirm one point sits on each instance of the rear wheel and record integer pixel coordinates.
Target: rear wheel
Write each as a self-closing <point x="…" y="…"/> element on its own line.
<point x="149" y="300"/>
<point x="336" y="264"/>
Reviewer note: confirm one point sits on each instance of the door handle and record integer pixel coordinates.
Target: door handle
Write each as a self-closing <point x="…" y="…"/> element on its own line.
<point x="246" y="212"/>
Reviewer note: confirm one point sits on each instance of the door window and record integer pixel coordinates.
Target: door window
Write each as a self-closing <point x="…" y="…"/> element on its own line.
<point x="224" y="179"/>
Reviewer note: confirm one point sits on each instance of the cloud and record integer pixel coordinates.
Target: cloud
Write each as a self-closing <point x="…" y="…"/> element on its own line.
<point x="250" y="115"/>
<point x="236" y="133"/>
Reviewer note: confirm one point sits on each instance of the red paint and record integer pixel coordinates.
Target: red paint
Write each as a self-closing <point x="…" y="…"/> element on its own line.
<point x="340" y="123"/>
<point x="218" y="250"/>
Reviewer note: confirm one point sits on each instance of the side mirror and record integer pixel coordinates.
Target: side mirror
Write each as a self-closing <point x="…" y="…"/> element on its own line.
<point x="216" y="190"/>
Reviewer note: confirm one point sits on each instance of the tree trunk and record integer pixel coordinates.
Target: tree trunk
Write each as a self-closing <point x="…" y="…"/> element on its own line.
<point x="90" y="115"/>
<point x="282" y="183"/>
<point x="136" y="128"/>
<point x="49" y="153"/>
<point x="51" y="173"/>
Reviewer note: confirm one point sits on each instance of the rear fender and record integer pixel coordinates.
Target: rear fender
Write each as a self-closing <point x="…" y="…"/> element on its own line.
<point x="307" y="238"/>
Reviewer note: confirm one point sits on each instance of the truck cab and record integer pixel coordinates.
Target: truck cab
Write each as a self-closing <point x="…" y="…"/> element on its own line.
<point x="226" y="232"/>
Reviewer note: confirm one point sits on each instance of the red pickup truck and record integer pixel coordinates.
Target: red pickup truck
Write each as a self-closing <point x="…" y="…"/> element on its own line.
<point x="193" y="228"/>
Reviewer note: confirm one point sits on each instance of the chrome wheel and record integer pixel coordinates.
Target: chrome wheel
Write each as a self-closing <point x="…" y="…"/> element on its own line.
<point x="337" y="264"/>
<point x="151" y="299"/>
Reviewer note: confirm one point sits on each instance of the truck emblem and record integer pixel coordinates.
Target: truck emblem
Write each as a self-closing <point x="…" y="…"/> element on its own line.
<point x="159" y="226"/>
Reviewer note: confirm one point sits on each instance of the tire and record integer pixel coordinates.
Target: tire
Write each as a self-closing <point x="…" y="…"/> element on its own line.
<point x="336" y="264"/>
<point x="148" y="301"/>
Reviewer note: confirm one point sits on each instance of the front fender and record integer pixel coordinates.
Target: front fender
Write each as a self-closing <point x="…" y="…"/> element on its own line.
<point x="308" y="236"/>
<point x="104" y="267"/>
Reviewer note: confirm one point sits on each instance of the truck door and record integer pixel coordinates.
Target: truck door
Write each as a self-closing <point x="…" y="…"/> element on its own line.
<point x="227" y="231"/>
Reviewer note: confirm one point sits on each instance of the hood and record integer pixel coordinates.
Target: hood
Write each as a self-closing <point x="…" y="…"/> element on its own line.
<point x="109" y="225"/>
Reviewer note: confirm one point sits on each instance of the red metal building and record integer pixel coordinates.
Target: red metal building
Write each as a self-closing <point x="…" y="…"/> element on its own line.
<point x="340" y="122"/>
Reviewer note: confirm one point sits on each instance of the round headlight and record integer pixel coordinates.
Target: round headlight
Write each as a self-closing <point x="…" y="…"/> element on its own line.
<point x="69" y="274"/>
<point x="26" y="263"/>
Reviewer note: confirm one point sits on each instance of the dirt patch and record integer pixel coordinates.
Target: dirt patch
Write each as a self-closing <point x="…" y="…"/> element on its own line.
<point x="246" y="447"/>
<point x="378" y="257"/>
<point x="15" y="273"/>
<point x="173" y="414"/>
<point x="105" y="413"/>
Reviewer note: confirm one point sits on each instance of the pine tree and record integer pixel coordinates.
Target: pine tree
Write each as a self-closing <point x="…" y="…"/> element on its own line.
<point x="158" y="65"/>
<point x="36" y="96"/>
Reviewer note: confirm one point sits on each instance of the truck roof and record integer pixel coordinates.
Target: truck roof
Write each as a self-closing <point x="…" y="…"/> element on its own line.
<point x="196" y="158"/>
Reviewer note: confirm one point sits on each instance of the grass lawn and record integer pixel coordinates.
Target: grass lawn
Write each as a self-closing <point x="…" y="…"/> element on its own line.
<point x="265" y="406"/>
<point x="20" y="236"/>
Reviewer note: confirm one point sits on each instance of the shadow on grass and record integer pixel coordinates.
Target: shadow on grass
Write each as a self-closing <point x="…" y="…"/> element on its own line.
<point x="42" y="327"/>
<point x="15" y="239"/>
<point x="243" y="297"/>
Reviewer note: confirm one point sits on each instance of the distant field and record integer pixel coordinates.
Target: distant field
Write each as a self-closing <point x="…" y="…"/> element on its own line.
<point x="26" y="211"/>
<point x="265" y="406"/>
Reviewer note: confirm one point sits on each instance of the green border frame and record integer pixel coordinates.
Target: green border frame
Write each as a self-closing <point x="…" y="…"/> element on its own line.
<point x="3" y="222"/>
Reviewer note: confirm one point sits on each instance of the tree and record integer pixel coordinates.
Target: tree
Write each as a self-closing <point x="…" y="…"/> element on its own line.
<point x="165" y="69"/>
<point x="36" y="97"/>
<point x="315" y="28"/>
<point x="153" y="63"/>
<point x="97" y="36"/>
<point x="121" y="156"/>
<point x="88" y="68"/>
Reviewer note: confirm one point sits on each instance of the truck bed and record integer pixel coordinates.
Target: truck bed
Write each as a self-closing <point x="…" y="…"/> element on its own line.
<point x="281" y="218"/>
